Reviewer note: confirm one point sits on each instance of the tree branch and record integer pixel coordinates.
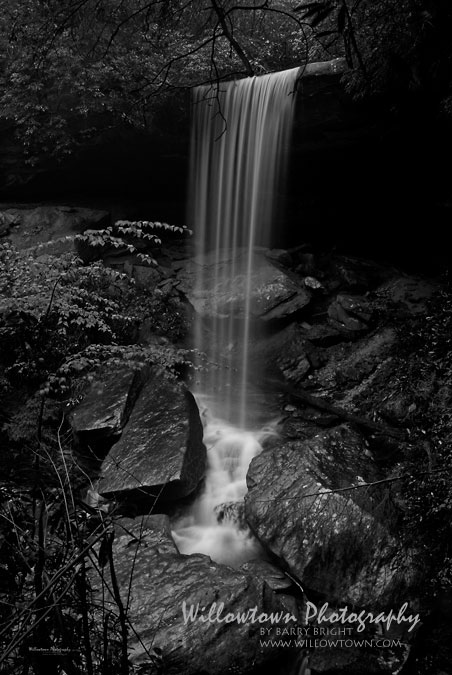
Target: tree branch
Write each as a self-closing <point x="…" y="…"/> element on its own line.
<point x="219" y="11"/>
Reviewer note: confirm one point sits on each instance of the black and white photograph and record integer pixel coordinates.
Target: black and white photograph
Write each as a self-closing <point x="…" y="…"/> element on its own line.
<point x="225" y="337"/>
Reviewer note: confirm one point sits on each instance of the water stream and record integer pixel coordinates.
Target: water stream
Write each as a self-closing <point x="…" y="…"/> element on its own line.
<point x="241" y="132"/>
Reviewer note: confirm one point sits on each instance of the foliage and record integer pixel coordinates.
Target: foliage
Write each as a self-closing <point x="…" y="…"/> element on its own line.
<point x="57" y="587"/>
<point x="60" y="318"/>
<point x="427" y="499"/>
<point x="396" y="48"/>
<point x="129" y="235"/>
<point x="70" y="70"/>
<point x="59" y="321"/>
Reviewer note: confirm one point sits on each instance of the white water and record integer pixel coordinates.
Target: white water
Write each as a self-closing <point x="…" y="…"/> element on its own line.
<point x="218" y="532"/>
<point x="239" y="147"/>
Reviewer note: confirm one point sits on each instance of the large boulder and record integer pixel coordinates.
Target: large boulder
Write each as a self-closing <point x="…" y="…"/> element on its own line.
<point x="106" y="407"/>
<point x="349" y="313"/>
<point x="340" y="543"/>
<point x="160" y="453"/>
<point x="98" y="420"/>
<point x="162" y="582"/>
<point x="274" y="295"/>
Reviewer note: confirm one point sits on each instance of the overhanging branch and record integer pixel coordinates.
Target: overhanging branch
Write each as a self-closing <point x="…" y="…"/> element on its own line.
<point x="219" y="11"/>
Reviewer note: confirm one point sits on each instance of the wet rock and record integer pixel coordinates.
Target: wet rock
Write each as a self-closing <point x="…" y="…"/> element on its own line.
<point x="233" y="512"/>
<point x="313" y="283"/>
<point x="358" y="275"/>
<point x="352" y="365"/>
<point x="349" y="313"/>
<point x="104" y="411"/>
<point x="366" y="356"/>
<point x="339" y="544"/>
<point x="284" y="352"/>
<point x="163" y="580"/>
<point x="146" y="276"/>
<point x="280" y="256"/>
<point x="409" y="294"/>
<point x="324" y="335"/>
<point x="8" y="220"/>
<point x="307" y="264"/>
<point x="160" y="453"/>
<point x="274" y="295"/>
<point x="295" y="369"/>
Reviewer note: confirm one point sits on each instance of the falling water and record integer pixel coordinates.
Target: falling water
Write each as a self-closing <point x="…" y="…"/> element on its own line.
<point x="240" y="136"/>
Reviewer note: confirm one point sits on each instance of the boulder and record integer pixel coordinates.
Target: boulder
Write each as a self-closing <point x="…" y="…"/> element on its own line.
<point x="233" y="512"/>
<point x="324" y="335"/>
<point x="101" y="416"/>
<point x="146" y="276"/>
<point x="349" y="313"/>
<point x="222" y="290"/>
<point x="283" y="352"/>
<point x="339" y="544"/>
<point x="162" y="580"/>
<point x="160" y="454"/>
<point x="280" y="256"/>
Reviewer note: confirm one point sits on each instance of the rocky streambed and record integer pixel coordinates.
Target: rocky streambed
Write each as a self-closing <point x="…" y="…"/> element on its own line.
<point x="334" y="340"/>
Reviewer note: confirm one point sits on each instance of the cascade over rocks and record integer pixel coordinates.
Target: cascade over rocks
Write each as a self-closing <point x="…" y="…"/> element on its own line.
<point x="163" y="579"/>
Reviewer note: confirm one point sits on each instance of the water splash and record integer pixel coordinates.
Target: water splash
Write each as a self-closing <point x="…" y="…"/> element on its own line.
<point x="215" y="524"/>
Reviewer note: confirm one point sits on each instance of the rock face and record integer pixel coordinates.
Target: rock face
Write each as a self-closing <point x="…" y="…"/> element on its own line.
<point x="163" y="580"/>
<point x="106" y="408"/>
<point x="409" y="294"/>
<point x="274" y="294"/>
<point x="49" y="229"/>
<point x="339" y="544"/>
<point x="160" y="452"/>
<point x="349" y="313"/>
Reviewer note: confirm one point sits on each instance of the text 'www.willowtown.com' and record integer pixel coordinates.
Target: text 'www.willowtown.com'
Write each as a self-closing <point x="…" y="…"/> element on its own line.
<point x="323" y="642"/>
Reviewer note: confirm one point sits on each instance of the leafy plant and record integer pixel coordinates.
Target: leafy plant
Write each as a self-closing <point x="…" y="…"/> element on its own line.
<point x="130" y="236"/>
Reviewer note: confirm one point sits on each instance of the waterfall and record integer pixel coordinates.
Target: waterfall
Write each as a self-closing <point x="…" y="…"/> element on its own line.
<point x="240" y="136"/>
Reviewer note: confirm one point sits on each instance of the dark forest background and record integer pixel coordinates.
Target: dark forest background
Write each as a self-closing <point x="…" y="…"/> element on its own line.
<point x="95" y="102"/>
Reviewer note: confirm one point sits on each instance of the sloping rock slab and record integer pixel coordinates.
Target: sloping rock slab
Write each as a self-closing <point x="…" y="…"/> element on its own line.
<point x="339" y="544"/>
<point x="160" y="452"/>
<point x="222" y="291"/>
<point x="37" y="226"/>
<point x="409" y="294"/>
<point x="106" y="408"/>
<point x="163" y="580"/>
